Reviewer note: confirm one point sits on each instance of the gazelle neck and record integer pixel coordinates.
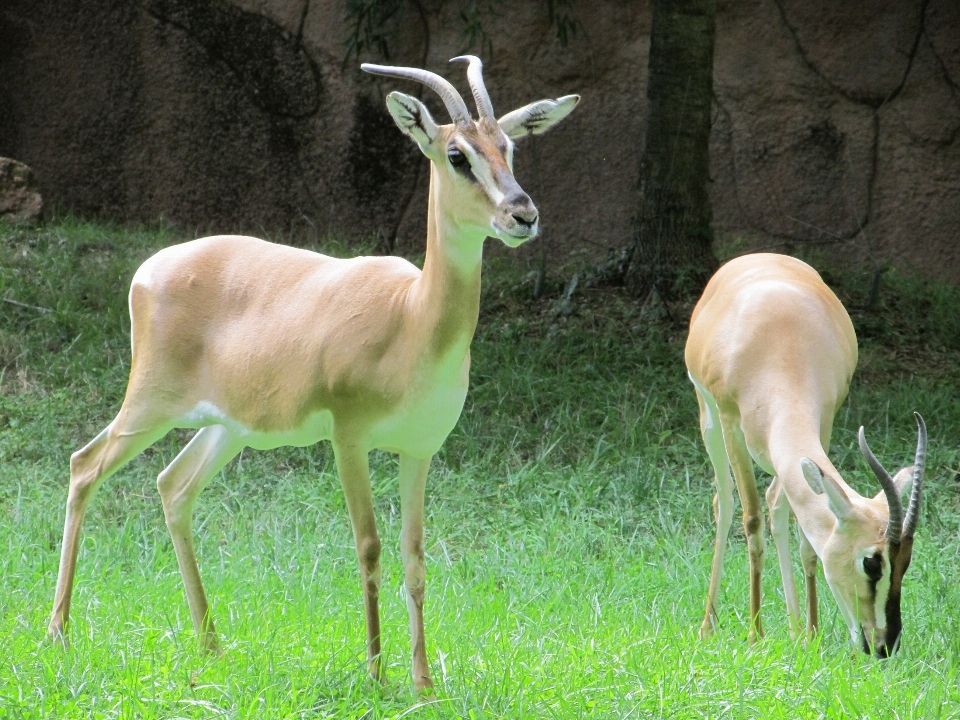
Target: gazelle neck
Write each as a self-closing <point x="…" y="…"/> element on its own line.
<point x="448" y="290"/>
<point x="813" y="514"/>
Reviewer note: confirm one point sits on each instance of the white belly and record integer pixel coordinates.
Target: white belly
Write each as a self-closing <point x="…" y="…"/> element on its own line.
<point x="316" y="427"/>
<point x="417" y="427"/>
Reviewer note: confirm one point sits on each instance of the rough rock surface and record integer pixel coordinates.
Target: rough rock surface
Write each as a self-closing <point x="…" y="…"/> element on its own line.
<point x="19" y="199"/>
<point x="837" y="122"/>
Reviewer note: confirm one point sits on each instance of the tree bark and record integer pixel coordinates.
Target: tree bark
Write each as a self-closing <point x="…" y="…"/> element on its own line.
<point x="672" y="249"/>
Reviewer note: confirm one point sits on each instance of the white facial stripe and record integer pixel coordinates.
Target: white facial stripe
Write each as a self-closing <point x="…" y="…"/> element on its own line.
<point x="510" y="154"/>
<point x="481" y="171"/>
<point x="883" y="589"/>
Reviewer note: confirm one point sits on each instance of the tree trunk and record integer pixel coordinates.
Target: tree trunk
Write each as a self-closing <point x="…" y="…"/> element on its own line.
<point x="672" y="246"/>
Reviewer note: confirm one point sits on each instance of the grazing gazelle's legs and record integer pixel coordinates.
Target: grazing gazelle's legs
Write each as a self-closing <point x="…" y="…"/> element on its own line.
<point x="742" y="465"/>
<point x="413" y="478"/>
<point x="179" y="484"/>
<point x="779" y="508"/>
<point x="722" y="503"/>
<point x="113" y="448"/>
<point x="808" y="558"/>
<point x="354" y="471"/>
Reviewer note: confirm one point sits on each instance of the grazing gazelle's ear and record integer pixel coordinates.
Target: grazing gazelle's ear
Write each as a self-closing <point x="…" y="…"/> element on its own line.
<point x="837" y="499"/>
<point x="903" y="481"/>
<point x="538" y="117"/>
<point x="413" y="118"/>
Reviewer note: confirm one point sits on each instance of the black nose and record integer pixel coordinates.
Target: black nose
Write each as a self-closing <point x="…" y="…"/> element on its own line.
<point x="522" y="209"/>
<point x="527" y="219"/>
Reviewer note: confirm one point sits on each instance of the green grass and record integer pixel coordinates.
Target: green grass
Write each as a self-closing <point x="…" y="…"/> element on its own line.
<point x="569" y="529"/>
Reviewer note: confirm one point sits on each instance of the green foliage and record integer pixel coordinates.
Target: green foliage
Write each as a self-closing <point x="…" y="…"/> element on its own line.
<point x="367" y="22"/>
<point x="568" y="541"/>
<point x="474" y="32"/>
<point x="563" y="19"/>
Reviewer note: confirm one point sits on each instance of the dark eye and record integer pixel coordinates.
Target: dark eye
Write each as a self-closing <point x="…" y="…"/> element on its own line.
<point x="873" y="567"/>
<point x="456" y="157"/>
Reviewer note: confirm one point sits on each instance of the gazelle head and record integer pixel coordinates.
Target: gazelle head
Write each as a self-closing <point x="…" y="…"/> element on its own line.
<point x="473" y="159"/>
<point x="866" y="557"/>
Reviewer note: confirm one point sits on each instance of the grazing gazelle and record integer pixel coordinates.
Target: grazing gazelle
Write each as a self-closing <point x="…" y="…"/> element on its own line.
<point x="771" y="352"/>
<point x="263" y="345"/>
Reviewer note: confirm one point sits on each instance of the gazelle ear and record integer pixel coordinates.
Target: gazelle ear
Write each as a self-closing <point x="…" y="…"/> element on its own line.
<point x="903" y="481"/>
<point x="538" y="117"/>
<point x="837" y="499"/>
<point x="413" y="118"/>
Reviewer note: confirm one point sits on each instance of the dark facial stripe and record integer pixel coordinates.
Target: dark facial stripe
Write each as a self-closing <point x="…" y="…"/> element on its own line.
<point x="873" y="567"/>
<point x="900" y="556"/>
<point x="465" y="170"/>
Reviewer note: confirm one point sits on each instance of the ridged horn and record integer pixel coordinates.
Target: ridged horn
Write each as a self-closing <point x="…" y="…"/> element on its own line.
<point x="919" y="466"/>
<point x="479" y="90"/>
<point x="447" y="92"/>
<point x="895" y="507"/>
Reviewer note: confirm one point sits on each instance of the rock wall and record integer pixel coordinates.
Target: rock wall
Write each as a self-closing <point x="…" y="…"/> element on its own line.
<point x="836" y="126"/>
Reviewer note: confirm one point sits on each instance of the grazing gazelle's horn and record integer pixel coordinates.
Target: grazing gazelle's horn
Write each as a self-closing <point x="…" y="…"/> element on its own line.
<point x="475" y="77"/>
<point x="447" y="92"/>
<point x="919" y="465"/>
<point x="895" y="520"/>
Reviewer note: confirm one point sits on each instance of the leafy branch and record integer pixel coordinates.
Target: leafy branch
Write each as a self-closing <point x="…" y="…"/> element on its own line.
<point x="560" y="13"/>
<point x="367" y="21"/>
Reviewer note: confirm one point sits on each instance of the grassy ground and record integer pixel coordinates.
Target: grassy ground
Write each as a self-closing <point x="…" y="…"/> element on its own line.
<point x="568" y="533"/>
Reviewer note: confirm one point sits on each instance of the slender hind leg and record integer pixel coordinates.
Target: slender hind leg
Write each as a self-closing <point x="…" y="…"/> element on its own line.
<point x="179" y="484"/>
<point x="742" y="465"/>
<point x="808" y="557"/>
<point x="722" y="503"/>
<point x="89" y="467"/>
<point x="354" y="472"/>
<point x="413" y="478"/>
<point x="779" y="508"/>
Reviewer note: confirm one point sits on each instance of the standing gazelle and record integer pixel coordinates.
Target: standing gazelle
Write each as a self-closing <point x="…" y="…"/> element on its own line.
<point x="263" y="345"/>
<point x="771" y="352"/>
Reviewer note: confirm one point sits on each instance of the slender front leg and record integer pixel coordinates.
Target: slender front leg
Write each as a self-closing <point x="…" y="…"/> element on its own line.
<point x="354" y="471"/>
<point x="413" y="479"/>
<point x="779" y="508"/>
<point x="179" y="484"/>
<point x="742" y="465"/>
<point x="722" y="505"/>
<point x="808" y="557"/>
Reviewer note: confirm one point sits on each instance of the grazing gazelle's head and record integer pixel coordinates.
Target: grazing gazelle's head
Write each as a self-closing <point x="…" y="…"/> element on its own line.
<point x="473" y="160"/>
<point x="867" y="555"/>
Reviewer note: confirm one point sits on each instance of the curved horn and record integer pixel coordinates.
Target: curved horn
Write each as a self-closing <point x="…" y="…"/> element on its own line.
<point x="895" y="507"/>
<point x="919" y="465"/>
<point x="447" y="92"/>
<point x="475" y="76"/>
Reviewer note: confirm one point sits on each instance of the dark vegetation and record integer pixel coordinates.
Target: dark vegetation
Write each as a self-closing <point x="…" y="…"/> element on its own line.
<point x="372" y="24"/>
